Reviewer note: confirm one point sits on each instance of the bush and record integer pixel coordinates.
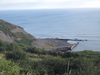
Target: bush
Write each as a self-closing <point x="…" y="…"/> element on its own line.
<point x="9" y="68"/>
<point x="16" y="55"/>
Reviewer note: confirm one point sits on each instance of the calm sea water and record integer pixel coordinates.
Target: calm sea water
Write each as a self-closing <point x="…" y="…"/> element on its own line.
<point x="61" y="23"/>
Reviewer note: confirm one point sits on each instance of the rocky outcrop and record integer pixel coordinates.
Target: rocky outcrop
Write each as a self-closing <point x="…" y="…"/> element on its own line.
<point x="53" y="44"/>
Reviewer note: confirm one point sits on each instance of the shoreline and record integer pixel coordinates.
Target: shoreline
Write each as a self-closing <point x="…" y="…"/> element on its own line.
<point x="56" y="44"/>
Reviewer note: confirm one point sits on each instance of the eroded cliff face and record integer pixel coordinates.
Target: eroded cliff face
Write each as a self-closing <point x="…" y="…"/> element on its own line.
<point x="5" y="37"/>
<point x="13" y="33"/>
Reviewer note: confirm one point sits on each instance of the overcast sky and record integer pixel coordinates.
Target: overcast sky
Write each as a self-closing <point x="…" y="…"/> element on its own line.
<point x="48" y="4"/>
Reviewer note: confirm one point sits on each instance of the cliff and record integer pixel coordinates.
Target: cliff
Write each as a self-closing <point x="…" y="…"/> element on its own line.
<point x="13" y="33"/>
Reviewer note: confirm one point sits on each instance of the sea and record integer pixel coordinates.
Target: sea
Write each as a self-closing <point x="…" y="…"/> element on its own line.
<point x="70" y="23"/>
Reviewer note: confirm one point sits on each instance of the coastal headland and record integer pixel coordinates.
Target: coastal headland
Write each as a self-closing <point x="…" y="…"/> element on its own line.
<point x="13" y="33"/>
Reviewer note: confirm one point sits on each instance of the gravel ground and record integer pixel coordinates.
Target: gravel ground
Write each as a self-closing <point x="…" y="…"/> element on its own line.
<point x="51" y="43"/>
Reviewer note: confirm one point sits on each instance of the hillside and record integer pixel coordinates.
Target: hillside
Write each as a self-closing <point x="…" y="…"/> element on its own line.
<point x="13" y="33"/>
<point x="18" y="57"/>
<point x="21" y="59"/>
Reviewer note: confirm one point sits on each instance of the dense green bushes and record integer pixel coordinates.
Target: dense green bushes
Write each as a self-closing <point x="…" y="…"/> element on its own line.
<point x="34" y="61"/>
<point x="9" y="68"/>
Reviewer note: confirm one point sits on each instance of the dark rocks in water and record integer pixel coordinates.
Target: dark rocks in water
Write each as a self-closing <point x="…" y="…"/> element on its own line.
<point x="78" y="40"/>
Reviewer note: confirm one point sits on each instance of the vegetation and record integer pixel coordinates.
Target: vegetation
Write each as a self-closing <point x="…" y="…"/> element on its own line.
<point x="6" y="27"/>
<point x="15" y="33"/>
<point x="9" y="68"/>
<point x="21" y="59"/>
<point x="23" y="38"/>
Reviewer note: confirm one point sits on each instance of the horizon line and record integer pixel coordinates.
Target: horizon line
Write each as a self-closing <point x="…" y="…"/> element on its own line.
<point x="53" y="8"/>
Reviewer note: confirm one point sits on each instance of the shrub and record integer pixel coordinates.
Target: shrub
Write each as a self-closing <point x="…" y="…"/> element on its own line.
<point x="16" y="55"/>
<point x="9" y="68"/>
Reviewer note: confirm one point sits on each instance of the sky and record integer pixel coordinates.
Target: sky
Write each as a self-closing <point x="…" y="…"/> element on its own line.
<point x="48" y="4"/>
